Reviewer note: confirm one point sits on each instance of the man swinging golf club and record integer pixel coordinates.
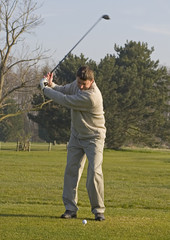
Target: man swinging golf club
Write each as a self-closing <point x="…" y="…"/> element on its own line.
<point x="87" y="139"/>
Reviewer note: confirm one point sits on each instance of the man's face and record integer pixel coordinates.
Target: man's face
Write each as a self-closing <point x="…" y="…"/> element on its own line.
<point x="84" y="84"/>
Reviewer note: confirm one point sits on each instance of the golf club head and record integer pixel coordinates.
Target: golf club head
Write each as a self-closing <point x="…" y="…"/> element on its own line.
<point x="106" y="17"/>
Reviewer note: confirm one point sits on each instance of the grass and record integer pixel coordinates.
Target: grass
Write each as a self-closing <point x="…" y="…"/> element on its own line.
<point x="137" y="196"/>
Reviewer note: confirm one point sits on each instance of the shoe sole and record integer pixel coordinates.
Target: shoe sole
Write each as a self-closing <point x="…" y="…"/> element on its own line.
<point x="68" y="216"/>
<point x="99" y="219"/>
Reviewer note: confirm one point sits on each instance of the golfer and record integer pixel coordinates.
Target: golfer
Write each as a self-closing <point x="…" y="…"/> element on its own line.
<point x="87" y="139"/>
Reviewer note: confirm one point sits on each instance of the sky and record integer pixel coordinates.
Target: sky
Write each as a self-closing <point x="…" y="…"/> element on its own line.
<point x="66" y="21"/>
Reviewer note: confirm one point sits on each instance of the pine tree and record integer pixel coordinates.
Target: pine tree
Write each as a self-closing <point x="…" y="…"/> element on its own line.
<point x="137" y="97"/>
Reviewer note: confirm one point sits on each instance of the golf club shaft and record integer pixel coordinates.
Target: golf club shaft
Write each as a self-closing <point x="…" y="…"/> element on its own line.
<point x="78" y="42"/>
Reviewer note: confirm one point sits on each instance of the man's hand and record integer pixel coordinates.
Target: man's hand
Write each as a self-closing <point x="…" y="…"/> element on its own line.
<point x="43" y="83"/>
<point x="49" y="77"/>
<point x="46" y="81"/>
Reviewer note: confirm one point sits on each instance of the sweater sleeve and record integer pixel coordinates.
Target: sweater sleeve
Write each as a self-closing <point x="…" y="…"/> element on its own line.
<point x="81" y="101"/>
<point x="66" y="89"/>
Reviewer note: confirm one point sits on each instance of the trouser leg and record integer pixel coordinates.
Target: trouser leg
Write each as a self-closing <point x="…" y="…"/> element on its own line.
<point x="75" y="164"/>
<point x="95" y="182"/>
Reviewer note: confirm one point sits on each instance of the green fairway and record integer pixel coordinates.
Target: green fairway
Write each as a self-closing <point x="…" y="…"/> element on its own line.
<point x="137" y="196"/>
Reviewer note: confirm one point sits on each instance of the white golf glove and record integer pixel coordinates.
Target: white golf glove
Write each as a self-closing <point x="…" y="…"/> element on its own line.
<point x="43" y="83"/>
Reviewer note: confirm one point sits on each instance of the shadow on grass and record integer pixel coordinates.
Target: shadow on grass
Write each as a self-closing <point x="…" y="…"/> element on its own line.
<point x="40" y="216"/>
<point x="29" y="216"/>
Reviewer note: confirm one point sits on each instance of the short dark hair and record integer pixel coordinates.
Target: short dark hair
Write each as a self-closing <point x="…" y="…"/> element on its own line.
<point x="85" y="73"/>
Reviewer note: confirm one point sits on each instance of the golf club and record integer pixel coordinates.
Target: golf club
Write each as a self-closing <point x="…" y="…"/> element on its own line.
<point x="106" y="17"/>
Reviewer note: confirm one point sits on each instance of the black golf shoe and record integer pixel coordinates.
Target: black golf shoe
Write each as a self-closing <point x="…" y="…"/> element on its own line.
<point x="99" y="217"/>
<point x="69" y="214"/>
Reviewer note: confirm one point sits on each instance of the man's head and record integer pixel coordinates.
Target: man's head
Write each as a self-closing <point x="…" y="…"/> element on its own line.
<point x="85" y="77"/>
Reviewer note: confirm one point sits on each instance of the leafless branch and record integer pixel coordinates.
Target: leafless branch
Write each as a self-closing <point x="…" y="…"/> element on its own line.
<point x="17" y="18"/>
<point x="35" y="109"/>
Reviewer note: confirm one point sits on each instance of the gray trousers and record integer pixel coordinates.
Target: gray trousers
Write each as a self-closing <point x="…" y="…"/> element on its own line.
<point x="76" y="157"/>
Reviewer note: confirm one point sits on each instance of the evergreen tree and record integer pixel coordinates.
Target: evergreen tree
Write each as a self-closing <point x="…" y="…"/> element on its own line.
<point x="135" y="94"/>
<point x="12" y="127"/>
<point x="137" y="97"/>
<point x="53" y="121"/>
<point x="66" y="72"/>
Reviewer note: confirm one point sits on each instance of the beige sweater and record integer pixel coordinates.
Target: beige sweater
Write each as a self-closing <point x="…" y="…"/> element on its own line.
<point x="87" y="116"/>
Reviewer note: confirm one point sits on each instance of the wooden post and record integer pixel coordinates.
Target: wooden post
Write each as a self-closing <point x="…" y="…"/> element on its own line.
<point x="49" y="146"/>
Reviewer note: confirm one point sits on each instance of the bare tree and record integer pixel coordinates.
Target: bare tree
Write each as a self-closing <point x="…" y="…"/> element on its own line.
<point x="17" y="17"/>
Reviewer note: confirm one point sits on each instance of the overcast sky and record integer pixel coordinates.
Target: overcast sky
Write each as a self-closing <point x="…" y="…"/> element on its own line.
<point x="66" y="21"/>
